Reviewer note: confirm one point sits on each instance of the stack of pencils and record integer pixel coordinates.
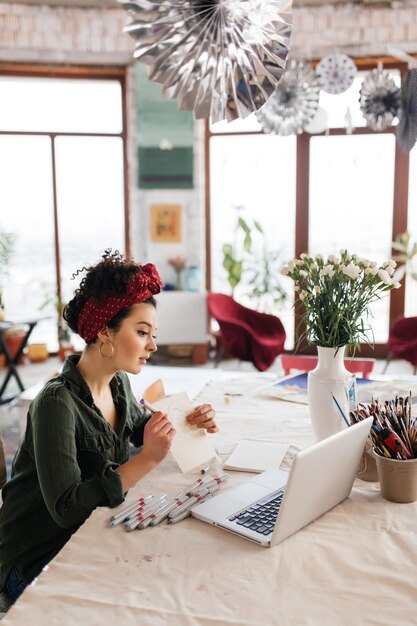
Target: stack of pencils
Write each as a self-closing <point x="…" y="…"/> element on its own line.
<point x="152" y="510"/>
<point x="394" y="431"/>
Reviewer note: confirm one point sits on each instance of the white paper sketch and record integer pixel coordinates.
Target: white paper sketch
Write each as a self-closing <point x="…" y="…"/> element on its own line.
<point x="191" y="447"/>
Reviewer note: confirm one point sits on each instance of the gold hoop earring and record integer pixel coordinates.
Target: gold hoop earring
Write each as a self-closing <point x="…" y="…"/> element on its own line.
<point x="103" y="356"/>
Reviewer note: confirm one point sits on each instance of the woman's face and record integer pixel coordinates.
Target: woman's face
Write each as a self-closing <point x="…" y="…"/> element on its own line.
<point x="134" y="341"/>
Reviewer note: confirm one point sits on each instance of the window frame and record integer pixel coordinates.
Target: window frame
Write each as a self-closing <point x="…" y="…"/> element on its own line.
<point x="76" y="73"/>
<point x="400" y="198"/>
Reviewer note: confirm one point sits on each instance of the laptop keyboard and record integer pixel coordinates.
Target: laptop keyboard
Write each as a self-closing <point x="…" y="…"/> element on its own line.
<point x="260" y="516"/>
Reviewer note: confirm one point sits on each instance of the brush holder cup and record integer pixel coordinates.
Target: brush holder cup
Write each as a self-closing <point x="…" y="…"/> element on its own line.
<point x="398" y="479"/>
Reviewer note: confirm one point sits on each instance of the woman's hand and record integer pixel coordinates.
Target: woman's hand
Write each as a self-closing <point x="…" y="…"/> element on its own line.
<point x="157" y="437"/>
<point x="203" y="416"/>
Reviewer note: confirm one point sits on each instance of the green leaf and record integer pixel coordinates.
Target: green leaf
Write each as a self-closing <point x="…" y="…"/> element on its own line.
<point x="247" y="242"/>
<point x="243" y="225"/>
<point x="236" y="270"/>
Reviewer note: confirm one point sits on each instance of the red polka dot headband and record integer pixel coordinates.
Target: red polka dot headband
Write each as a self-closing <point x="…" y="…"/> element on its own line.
<point x="96" y="313"/>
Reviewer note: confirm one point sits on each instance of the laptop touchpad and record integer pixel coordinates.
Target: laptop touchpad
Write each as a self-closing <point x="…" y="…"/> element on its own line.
<point x="250" y="493"/>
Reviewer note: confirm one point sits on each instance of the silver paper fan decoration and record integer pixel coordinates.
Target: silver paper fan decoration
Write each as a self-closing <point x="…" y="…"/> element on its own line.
<point x="380" y="99"/>
<point x="336" y="73"/>
<point x="407" y="127"/>
<point x="294" y="102"/>
<point x="219" y="58"/>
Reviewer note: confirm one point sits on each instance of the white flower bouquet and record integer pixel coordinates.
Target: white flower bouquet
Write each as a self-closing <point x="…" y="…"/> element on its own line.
<point x="335" y="295"/>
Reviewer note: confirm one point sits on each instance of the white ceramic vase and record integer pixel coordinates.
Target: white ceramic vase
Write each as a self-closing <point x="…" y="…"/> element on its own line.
<point x="329" y="377"/>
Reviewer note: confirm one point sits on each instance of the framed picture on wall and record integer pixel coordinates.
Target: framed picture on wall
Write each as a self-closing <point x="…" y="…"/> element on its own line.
<point x="166" y="222"/>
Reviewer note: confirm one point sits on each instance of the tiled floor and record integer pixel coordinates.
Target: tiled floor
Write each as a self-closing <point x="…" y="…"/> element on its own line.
<point x="32" y="374"/>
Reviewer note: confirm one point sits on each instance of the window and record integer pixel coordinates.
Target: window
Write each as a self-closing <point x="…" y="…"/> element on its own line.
<point x="61" y="105"/>
<point x="411" y="285"/>
<point x="90" y="210"/>
<point x="62" y="191"/>
<point x="316" y="193"/>
<point x="256" y="172"/>
<point x="26" y="201"/>
<point x="351" y="202"/>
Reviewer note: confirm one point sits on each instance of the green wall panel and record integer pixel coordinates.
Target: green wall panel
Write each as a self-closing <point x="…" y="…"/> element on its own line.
<point x="159" y="117"/>
<point x="165" y="169"/>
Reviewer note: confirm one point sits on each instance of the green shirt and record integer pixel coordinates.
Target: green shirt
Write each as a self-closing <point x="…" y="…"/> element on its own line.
<point x="64" y="468"/>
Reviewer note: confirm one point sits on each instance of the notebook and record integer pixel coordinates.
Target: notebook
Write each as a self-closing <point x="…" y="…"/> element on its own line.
<point x="320" y="478"/>
<point x="256" y="455"/>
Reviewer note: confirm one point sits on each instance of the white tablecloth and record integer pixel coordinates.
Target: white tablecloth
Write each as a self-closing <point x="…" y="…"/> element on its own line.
<point x="355" y="565"/>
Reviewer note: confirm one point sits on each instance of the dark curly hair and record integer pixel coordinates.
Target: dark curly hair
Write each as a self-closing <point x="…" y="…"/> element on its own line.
<point x="108" y="277"/>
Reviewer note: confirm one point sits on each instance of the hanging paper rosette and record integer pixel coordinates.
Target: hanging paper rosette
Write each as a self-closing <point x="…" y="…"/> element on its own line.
<point x="380" y="99"/>
<point x="336" y="73"/>
<point x="294" y="102"/>
<point x="318" y="124"/>
<point x="219" y="58"/>
<point x="407" y="127"/>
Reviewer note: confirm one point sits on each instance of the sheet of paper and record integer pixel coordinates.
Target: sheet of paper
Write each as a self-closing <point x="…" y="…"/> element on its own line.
<point x="290" y="389"/>
<point x="257" y="455"/>
<point x="293" y="388"/>
<point x="387" y="390"/>
<point x="191" y="447"/>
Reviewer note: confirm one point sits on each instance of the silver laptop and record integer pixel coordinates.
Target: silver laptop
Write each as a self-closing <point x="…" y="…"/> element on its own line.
<point x="275" y="504"/>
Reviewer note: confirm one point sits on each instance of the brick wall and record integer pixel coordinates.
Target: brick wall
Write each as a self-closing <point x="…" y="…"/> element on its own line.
<point x="89" y="35"/>
<point x="31" y="33"/>
<point x="355" y="29"/>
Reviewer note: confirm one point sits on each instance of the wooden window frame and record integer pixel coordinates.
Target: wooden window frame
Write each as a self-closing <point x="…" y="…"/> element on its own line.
<point x="76" y="73"/>
<point x="400" y="198"/>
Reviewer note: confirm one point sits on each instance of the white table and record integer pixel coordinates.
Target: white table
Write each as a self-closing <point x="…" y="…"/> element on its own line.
<point x="356" y="565"/>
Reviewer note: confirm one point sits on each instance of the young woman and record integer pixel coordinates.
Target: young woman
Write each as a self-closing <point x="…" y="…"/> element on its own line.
<point x="75" y="452"/>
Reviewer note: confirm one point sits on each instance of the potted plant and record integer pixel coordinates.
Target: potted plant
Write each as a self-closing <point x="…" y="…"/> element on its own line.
<point x="234" y="253"/>
<point x="260" y="267"/>
<point x="335" y="294"/>
<point x="264" y="280"/>
<point x="178" y="263"/>
<point x="65" y="346"/>
<point x="37" y="352"/>
<point x="13" y="337"/>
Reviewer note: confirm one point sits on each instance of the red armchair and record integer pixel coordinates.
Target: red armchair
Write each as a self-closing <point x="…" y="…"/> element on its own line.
<point x="402" y="341"/>
<point x="246" y="334"/>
